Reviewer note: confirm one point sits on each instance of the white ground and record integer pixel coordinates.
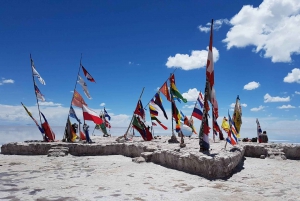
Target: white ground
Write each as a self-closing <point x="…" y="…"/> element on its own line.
<point x="118" y="178"/>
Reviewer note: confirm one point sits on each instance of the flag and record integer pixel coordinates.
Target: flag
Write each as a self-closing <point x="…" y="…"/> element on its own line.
<point x="86" y="132"/>
<point x="237" y="116"/>
<point x="182" y="116"/>
<point x="197" y="113"/>
<point x="200" y="99"/>
<point x="174" y="89"/>
<point x="36" y="123"/>
<point x="158" y="102"/>
<point x="192" y="125"/>
<point x="154" y="124"/>
<point x="259" y="131"/>
<point x="106" y="114"/>
<point x="91" y="115"/>
<point x="87" y="75"/>
<point x="107" y="124"/>
<point x="70" y="134"/>
<point x="73" y="114"/>
<point x="232" y="139"/>
<point x="176" y="116"/>
<point x="203" y="134"/>
<point x="38" y="93"/>
<point x="142" y="128"/>
<point x="161" y="124"/>
<point x="48" y="131"/>
<point x="165" y="91"/>
<point x="78" y="100"/>
<point x="153" y="113"/>
<point x="84" y="87"/>
<point x="225" y="125"/>
<point x="210" y="61"/>
<point x="36" y="74"/>
<point x="139" y="110"/>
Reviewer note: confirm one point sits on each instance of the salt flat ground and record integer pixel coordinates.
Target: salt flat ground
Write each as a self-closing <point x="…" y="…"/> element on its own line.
<point x="118" y="178"/>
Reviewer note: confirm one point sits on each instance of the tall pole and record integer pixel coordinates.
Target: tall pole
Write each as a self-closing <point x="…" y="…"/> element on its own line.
<point x="133" y="114"/>
<point x="34" y="84"/>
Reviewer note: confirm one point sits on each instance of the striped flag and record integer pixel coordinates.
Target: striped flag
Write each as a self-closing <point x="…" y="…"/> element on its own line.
<point x="259" y="131"/>
<point x="35" y="73"/>
<point x="197" y="113"/>
<point x="232" y="139"/>
<point x="87" y="75"/>
<point x="200" y="99"/>
<point x="38" y="93"/>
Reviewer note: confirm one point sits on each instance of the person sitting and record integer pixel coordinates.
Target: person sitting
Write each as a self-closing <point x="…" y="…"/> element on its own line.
<point x="264" y="137"/>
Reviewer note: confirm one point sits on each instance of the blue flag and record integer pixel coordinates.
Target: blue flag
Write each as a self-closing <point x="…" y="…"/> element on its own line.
<point x="106" y="114"/>
<point x="73" y="114"/>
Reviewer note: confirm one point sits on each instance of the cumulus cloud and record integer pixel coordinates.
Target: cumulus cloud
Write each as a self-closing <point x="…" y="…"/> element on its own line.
<point x="102" y="104"/>
<point x="49" y="104"/>
<point x="272" y="28"/>
<point x="294" y="76"/>
<point x="197" y="59"/>
<point x="256" y="109"/>
<point x="297" y="92"/>
<point x="268" y="99"/>
<point x="191" y="95"/>
<point x="217" y="25"/>
<point x="286" y="107"/>
<point x="232" y="105"/>
<point x="251" y="85"/>
<point x="6" y="81"/>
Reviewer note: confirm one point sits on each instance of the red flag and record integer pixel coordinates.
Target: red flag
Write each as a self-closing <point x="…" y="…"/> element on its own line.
<point x="89" y="114"/>
<point x="107" y="124"/>
<point x="78" y="100"/>
<point x="87" y="75"/>
<point x="164" y="90"/>
<point x="210" y="61"/>
<point x="139" y="110"/>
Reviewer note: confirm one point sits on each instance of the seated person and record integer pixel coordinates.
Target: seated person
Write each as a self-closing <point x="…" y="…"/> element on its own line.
<point x="264" y="137"/>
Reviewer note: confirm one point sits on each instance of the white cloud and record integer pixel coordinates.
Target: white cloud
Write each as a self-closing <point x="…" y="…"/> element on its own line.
<point x="294" y="76"/>
<point x="129" y="62"/>
<point x="188" y="106"/>
<point x="102" y="104"/>
<point x="232" y="105"/>
<point x="49" y="104"/>
<point x="6" y="81"/>
<point x="286" y="107"/>
<point x="191" y="95"/>
<point x="297" y="92"/>
<point x="256" y="109"/>
<point x="217" y="25"/>
<point x="251" y="85"/>
<point x="197" y="59"/>
<point x="272" y="28"/>
<point x="268" y="98"/>
<point x="243" y="104"/>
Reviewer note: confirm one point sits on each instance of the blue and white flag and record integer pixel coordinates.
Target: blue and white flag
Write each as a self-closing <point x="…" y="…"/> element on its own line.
<point x="106" y="115"/>
<point x="200" y="99"/>
<point x="38" y="93"/>
<point x="36" y="74"/>
<point x="73" y="114"/>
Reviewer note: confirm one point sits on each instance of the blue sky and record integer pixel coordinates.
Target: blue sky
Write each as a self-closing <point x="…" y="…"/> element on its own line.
<point x="128" y="45"/>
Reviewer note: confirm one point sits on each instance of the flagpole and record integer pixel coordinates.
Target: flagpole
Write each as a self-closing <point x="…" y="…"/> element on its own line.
<point x="158" y="90"/>
<point x="133" y="115"/>
<point x="37" y="101"/>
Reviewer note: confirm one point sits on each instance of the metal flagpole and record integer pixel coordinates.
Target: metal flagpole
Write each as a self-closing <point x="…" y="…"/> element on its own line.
<point x="37" y="101"/>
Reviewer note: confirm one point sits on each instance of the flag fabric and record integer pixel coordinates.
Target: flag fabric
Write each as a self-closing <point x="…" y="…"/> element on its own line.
<point x="106" y="114"/>
<point x="232" y="139"/>
<point x="182" y="116"/>
<point x="91" y="115"/>
<point x="36" y="123"/>
<point x="210" y="61"/>
<point x="165" y="91"/>
<point x="176" y="116"/>
<point x="153" y="108"/>
<point x="200" y="99"/>
<point x="174" y="89"/>
<point x="36" y="74"/>
<point x="48" y="131"/>
<point x="197" y="113"/>
<point x="87" y="75"/>
<point x="237" y="116"/>
<point x="142" y="128"/>
<point x="38" y="93"/>
<point x="154" y="124"/>
<point x="158" y="102"/>
<point x="107" y="124"/>
<point x="84" y="87"/>
<point x="259" y="131"/>
<point x="69" y="134"/>
<point x="139" y="110"/>
<point x="225" y="125"/>
<point x="73" y="114"/>
<point x="192" y="125"/>
<point x="159" y="122"/>
<point x="86" y="132"/>
<point x="78" y="100"/>
<point x="204" y="131"/>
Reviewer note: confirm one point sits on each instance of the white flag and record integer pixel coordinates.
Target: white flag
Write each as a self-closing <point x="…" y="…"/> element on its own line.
<point x="84" y="87"/>
<point x="35" y="73"/>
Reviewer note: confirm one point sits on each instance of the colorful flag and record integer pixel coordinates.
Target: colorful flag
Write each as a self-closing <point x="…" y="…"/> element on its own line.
<point x="210" y="61"/>
<point x="84" y="87"/>
<point x="73" y="114"/>
<point x="259" y="131"/>
<point x="70" y="134"/>
<point x="232" y="139"/>
<point x="107" y="124"/>
<point x="237" y="116"/>
<point x="36" y="74"/>
<point x="165" y="91"/>
<point x="158" y="102"/>
<point x="38" y="93"/>
<point x="161" y="124"/>
<point x="142" y="128"/>
<point x="87" y="75"/>
<point x="139" y="110"/>
<point x="36" y="123"/>
<point x="153" y="113"/>
<point x="48" y="131"/>
<point x="176" y="116"/>
<point x="91" y="115"/>
<point x="200" y="99"/>
<point x="78" y="100"/>
<point x="174" y="89"/>
<point x="106" y="114"/>
<point x="154" y="124"/>
<point x="197" y="113"/>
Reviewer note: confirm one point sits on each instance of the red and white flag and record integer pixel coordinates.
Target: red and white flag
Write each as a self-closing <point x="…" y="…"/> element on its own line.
<point x="91" y="115"/>
<point x="87" y="75"/>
